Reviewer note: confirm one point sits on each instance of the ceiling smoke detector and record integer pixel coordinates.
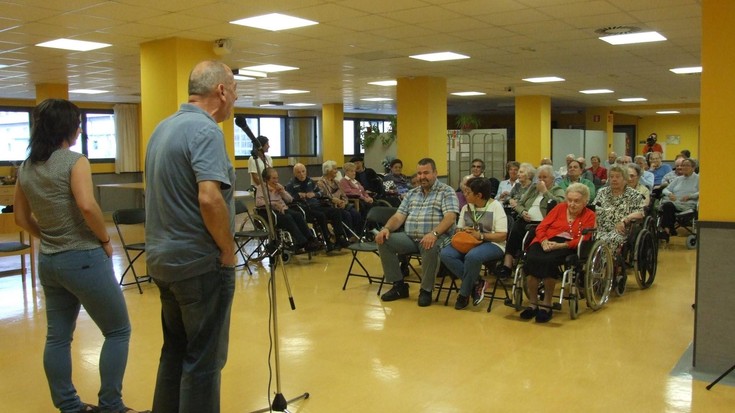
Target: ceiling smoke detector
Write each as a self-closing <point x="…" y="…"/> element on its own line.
<point x="615" y="30"/>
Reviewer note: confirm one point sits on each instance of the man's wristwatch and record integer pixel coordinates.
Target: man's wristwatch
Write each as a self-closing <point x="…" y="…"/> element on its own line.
<point x="434" y="233"/>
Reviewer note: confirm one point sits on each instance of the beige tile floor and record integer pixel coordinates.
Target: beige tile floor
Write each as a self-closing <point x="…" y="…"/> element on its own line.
<point x="353" y="353"/>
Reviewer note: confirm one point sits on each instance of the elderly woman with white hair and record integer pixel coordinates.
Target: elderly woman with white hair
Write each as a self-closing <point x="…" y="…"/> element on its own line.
<point x="634" y="181"/>
<point x="526" y="172"/>
<point x="616" y="205"/>
<point x="557" y="236"/>
<point x="330" y="189"/>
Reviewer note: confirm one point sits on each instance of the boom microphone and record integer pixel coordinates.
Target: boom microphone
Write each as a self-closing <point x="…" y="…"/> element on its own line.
<point x="243" y="124"/>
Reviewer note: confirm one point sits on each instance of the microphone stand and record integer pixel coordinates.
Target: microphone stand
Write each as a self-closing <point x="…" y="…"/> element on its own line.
<point x="274" y="250"/>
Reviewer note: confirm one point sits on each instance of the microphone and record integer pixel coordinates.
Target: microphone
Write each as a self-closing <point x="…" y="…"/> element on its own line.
<point x="243" y="124"/>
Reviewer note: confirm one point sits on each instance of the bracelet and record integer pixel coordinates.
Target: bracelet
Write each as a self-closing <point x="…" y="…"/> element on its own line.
<point x="105" y="242"/>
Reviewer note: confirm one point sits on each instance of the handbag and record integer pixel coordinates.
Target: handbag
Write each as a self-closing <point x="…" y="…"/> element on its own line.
<point x="464" y="242"/>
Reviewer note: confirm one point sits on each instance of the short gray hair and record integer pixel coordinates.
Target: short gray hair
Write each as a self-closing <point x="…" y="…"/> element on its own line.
<point x="530" y="170"/>
<point x="349" y="166"/>
<point x="621" y="169"/>
<point x="545" y="167"/>
<point x="206" y="75"/>
<point x="328" y="166"/>
<point x="580" y="189"/>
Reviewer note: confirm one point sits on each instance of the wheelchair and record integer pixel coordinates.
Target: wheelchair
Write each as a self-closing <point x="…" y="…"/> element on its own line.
<point x="284" y="236"/>
<point x="587" y="275"/>
<point x="253" y="229"/>
<point x="640" y="253"/>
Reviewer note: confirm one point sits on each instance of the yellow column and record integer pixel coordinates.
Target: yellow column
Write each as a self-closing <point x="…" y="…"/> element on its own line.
<point x="51" y="91"/>
<point x="422" y="121"/>
<point x="717" y="94"/>
<point x="164" y="78"/>
<point x="333" y="129"/>
<point x="533" y="128"/>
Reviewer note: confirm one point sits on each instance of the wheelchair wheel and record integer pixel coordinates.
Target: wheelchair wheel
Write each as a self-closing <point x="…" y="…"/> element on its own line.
<point x="286" y="257"/>
<point x="256" y="223"/>
<point x="691" y="242"/>
<point x="573" y="306"/>
<point x="598" y="274"/>
<point x="646" y="259"/>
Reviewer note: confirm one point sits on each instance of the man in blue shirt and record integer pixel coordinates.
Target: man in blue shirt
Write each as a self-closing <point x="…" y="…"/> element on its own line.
<point x="429" y="213"/>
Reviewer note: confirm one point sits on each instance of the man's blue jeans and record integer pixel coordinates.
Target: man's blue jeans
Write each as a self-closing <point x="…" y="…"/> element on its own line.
<point x="71" y="279"/>
<point x="195" y="315"/>
<point x="467" y="266"/>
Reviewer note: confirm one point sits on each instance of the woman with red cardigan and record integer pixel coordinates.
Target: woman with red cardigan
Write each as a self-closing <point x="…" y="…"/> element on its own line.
<point x="557" y="236"/>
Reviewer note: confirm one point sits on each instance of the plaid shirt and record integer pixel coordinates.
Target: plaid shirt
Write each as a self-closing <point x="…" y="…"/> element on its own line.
<point x="425" y="212"/>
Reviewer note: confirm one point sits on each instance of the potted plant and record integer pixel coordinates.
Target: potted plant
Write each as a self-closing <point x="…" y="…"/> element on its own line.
<point x="467" y="122"/>
<point x="371" y="133"/>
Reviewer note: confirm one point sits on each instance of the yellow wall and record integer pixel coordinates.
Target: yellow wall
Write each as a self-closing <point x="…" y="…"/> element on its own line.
<point x="686" y="126"/>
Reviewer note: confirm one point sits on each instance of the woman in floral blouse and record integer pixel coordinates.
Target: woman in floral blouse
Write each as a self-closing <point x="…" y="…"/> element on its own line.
<point x="616" y="205"/>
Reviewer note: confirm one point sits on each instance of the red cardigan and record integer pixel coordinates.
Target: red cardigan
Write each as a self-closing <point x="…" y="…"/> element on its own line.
<point x="556" y="222"/>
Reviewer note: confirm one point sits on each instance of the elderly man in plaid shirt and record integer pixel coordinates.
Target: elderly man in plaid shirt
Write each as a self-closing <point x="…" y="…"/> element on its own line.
<point x="429" y="213"/>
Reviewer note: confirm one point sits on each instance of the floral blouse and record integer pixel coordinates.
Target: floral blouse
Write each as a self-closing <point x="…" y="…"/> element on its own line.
<point x="611" y="209"/>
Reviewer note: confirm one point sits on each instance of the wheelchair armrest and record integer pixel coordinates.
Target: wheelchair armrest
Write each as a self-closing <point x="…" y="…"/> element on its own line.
<point x="586" y="231"/>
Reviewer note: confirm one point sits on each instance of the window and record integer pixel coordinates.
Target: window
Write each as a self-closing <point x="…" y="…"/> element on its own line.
<point x="97" y="139"/>
<point x="353" y="131"/>
<point x="15" y="130"/>
<point x="286" y="136"/>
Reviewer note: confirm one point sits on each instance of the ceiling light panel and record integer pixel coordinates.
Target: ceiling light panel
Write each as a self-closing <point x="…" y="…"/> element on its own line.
<point x="290" y="91"/>
<point x="384" y="83"/>
<point x="633" y="38"/>
<point x="439" y="57"/>
<point x="686" y="70"/>
<point x="75" y="45"/>
<point x="274" y="22"/>
<point x="89" y="91"/>
<point x="596" y="91"/>
<point x="667" y="112"/>
<point x="544" y="79"/>
<point x="468" y="94"/>
<point x="268" y="68"/>
<point x="632" y="99"/>
<point x="377" y="99"/>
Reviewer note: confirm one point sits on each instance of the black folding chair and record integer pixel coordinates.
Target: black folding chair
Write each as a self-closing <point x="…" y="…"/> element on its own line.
<point x="129" y="217"/>
<point x="376" y="218"/>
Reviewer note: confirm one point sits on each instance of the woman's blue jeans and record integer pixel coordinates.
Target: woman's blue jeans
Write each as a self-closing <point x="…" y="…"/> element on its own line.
<point x="86" y="278"/>
<point x="467" y="266"/>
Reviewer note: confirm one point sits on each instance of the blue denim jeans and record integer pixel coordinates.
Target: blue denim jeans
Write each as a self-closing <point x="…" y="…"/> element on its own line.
<point x="467" y="266"/>
<point x="195" y="314"/>
<point x="71" y="279"/>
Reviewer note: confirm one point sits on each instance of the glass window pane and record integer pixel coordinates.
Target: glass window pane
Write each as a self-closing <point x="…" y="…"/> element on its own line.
<point x="348" y="137"/>
<point x="100" y="129"/>
<point x="301" y="136"/>
<point x="15" y="131"/>
<point x="272" y="128"/>
<point x="243" y="145"/>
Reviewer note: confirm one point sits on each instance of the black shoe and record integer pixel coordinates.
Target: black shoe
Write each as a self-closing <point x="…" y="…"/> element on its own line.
<point x="462" y="302"/>
<point x="503" y="272"/>
<point x="424" y="298"/>
<point x="343" y="242"/>
<point x="313" y="245"/>
<point x="331" y="247"/>
<point x="88" y="408"/>
<point x="397" y="292"/>
<point x="664" y="236"/>
<point x="543" y="316"/>
<point x="529" y="313"/>
<point x="478" y="292"/>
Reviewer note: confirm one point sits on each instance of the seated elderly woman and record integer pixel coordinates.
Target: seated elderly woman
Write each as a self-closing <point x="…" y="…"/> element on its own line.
<point x="634" y="181"/>
<point x="574" y="174"/>
<point x="557" y="236"/>
<point x="329" y="187"/>
<point x="401" y="183"/>
<point x="354" y="189"/>
<point x="287" y="219"/>
<point x="615" y="206"/>
<point x="532" y="208"/>
<point x="483" y="218"/>
<point x="526" y="172"/>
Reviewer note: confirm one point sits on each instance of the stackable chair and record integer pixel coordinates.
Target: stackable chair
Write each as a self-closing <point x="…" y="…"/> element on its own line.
<point x="124" y="219"/>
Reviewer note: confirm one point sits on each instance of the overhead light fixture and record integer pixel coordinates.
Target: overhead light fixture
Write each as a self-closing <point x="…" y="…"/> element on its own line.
<point x="384" y="83"/>
<point x="269" y="68"/>
<point x="274" y="22"/>
<point x="377" y="99"/>
<point x="633" y="99"/>
<point x="76" y="45"/>
<point x="248" y="73"/>
<point x="2" y="66"/>
<point x="266" y="105"/>
<point x="439" y="57"/>
<point x="596" y="91"/>
<point x="241" y="77"/>
<point x="290" y="91"/>
<point x="686" y="70"/>
<point x="89" y="91"/>
<point x="301" y="104"/>
<point x="468" y="93"/>
<point x="667" y="112"/>
<point x="632" y="38"/>
<point x="544" y="79"/>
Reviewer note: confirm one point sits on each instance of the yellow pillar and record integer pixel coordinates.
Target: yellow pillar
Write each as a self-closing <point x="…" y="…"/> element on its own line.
<point x="164" y="78"/>
<point x="422" y="121"/>
<point x="51" y="91"/>
<point x="533" y="128"/>
<point x="717" y="94"/>
<point x="333" y="131"/>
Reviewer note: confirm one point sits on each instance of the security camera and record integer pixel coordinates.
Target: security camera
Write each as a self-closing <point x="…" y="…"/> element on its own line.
<point x="222" y="47"/>
<point x="508" y="89"/>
